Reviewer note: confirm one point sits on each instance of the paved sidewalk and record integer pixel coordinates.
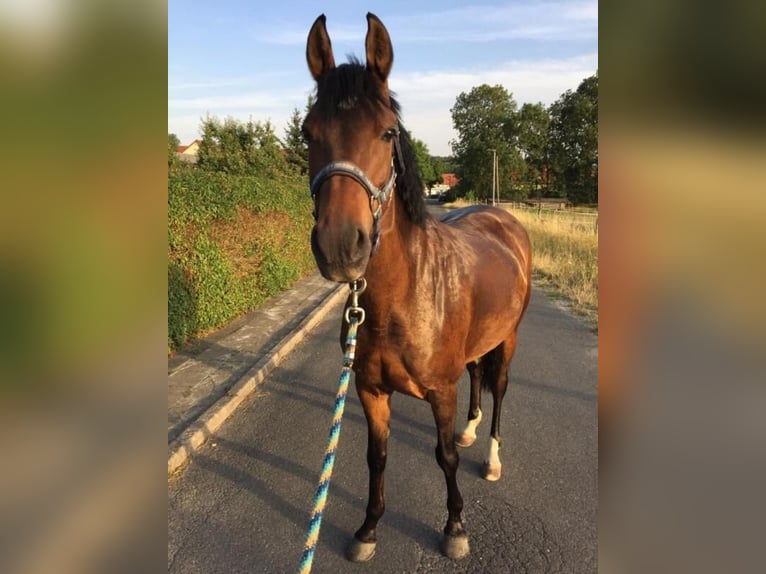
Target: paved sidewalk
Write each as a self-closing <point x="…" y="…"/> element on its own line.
<point x="207" y="380"/>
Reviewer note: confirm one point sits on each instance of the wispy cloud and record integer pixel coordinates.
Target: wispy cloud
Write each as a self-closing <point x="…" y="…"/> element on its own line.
<point x="553" y="21"/>
<point x="188" y="81"/>
<point x="583" y="11"/>
<point x="529" y="80"/>
<point x="231" y="103"/>
<point x="208" y="84"/>
<point x="290" y="36"/>
<point x="527" y="21"/>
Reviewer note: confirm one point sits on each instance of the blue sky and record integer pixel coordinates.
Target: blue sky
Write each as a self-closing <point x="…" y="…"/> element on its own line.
<point x="246" y="59"/>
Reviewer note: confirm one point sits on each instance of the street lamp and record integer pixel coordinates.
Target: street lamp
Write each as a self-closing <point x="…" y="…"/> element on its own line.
<point x="494" y="173"/>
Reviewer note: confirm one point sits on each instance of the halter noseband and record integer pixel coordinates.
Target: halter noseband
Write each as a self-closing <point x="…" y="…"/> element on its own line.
<point x="379" y="194"/>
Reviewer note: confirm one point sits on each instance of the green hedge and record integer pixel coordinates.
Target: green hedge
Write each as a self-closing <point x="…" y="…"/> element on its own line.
<point x="233" y="242"/>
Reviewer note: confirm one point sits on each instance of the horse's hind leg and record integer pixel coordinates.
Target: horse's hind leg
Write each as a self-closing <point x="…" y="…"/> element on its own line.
<point x="468" y="436"/>
<point x="496" y="378"/>
<point x="377" y="410"/>
<point x="443" y="405"/>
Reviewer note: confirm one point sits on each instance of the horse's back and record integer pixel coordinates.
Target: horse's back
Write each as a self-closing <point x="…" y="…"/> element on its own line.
<point x="458" y="214"/>
<point x="485" y="224"/>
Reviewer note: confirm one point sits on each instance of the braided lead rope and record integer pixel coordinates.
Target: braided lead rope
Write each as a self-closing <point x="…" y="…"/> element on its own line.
<point x="320" y="497"/>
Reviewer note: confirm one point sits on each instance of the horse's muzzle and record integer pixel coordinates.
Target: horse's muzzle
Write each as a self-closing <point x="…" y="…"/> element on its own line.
<point x="341" y="254"/>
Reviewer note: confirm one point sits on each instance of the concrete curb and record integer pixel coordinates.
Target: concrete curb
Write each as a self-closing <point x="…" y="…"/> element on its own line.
<point x="181" y="449"/>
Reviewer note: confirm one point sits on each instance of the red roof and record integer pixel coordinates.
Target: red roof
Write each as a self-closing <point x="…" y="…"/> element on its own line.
<point x="183" y="148"/>
<point x="449" y="179"/>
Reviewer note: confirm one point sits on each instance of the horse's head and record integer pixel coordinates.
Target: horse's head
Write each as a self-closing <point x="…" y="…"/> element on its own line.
<point x="352" y="132"/>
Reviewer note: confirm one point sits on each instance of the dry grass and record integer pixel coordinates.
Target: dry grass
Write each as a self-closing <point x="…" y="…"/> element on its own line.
<point x="565" y="255"/>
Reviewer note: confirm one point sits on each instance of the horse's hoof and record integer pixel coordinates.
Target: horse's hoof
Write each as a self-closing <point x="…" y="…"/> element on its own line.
<point x="492" y="471"/>
<point x="359" y="551"/>
<point x="465" y="440"/>
<point x="455" y="547"/>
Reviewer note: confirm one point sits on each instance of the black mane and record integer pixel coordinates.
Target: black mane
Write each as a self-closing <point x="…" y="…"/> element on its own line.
<point x="349" y="86"/>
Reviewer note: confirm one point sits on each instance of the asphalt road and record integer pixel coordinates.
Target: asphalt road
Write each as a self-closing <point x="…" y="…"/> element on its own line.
<point x="243" y="503"/>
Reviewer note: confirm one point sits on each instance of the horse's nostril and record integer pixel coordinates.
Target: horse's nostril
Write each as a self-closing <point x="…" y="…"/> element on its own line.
<point x="360" y="239"/>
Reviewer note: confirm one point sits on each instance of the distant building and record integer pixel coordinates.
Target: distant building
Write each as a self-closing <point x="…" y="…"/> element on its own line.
<point x="189" y="152"/>
<point x="448" y="180"/>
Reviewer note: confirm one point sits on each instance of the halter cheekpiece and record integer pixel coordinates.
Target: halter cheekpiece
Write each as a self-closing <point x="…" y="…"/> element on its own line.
<point x="375" y="193"/>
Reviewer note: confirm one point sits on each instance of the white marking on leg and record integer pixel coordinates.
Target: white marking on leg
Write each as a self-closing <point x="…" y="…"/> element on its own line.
<point x="470" y="428"/>
<point x="493" y="468"/>
<point x="468" y="436"/>
<point x="494" y="447"/>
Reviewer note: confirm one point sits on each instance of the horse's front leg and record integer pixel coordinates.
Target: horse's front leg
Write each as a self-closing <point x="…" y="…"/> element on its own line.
<point x="443" y="405"/>
<point x="377" y="409"/>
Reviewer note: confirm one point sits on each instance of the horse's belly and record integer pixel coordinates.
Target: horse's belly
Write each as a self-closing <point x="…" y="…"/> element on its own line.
<point x="496" y="318"/>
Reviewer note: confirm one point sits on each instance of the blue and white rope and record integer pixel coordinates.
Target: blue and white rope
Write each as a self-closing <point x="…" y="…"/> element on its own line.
<point x="320" y="497"/>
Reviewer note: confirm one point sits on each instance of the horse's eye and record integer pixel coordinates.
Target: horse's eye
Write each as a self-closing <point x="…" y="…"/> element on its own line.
<point x="389" y="134"/>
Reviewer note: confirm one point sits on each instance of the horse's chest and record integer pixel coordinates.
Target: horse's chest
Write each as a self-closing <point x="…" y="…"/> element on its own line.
<point x="403" y="358"/>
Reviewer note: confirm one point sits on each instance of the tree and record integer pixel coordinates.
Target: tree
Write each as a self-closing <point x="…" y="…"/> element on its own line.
<point x="173" y="143"/>
<point x="295" y="144"/>
<point x="443" y="164"/>
<point x="533" y="124"/>
<point x="439" y="168"/>
<point x="240" y="147"/>
<point x="573" y="142"/>
<point x="485" y="119"/>
<point x="426" y="168"/>
<point x="310" y="101"/>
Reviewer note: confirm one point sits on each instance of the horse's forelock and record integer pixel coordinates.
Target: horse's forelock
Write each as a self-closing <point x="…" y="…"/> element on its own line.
<point x="350" y="87"/>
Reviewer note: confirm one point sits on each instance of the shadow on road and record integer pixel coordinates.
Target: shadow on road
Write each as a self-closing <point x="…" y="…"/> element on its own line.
<point x="333" y="535"/>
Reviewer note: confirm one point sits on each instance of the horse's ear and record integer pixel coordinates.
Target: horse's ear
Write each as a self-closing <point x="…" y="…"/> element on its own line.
<point x="319" y="49"/>
<point x="380" y="53"/>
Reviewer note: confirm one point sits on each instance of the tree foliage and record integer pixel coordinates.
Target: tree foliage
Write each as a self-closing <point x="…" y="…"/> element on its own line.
<point x="485" y="119"/>
<point x="427" y="168"/>
<point x="295" y="144"/>
<point x="573" y="142"/>
<point x="443" y="164"/>
<point x="533" y="124"/>
<point x="550" y="151"/>
<point x="296" y="148"/>
<point x="239" y="147"/>
<point x="173" y="143"/>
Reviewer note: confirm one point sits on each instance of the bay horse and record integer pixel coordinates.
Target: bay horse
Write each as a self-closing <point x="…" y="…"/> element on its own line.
<point x="441" y="296"/>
